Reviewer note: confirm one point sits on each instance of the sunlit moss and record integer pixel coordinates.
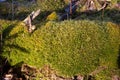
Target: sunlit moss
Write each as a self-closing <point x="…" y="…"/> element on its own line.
<point x="70" y="47"/>
<point x="52" y="16"/>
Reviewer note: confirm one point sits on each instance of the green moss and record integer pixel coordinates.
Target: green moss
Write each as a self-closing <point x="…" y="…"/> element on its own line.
<point x="70" y="47"/>
<point x="53" y="16"/>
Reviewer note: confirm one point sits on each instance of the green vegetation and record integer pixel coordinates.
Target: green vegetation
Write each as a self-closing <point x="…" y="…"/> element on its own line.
<point x="70" y="47"/>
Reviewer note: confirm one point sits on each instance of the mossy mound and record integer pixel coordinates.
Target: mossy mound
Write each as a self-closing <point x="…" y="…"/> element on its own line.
<point x="70" y="47"/>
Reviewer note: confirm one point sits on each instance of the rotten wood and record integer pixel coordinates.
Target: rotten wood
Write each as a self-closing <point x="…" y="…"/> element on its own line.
<point x="29" y="19"/>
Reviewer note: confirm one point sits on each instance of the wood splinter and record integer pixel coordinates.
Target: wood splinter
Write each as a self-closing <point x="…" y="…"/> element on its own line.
<point x="28" y="20"/>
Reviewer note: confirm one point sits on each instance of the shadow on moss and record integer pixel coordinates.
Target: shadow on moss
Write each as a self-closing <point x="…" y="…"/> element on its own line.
<point x="18" y="48"/>
<point x="7" y="30"/>
<point x="7" y="37"/>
